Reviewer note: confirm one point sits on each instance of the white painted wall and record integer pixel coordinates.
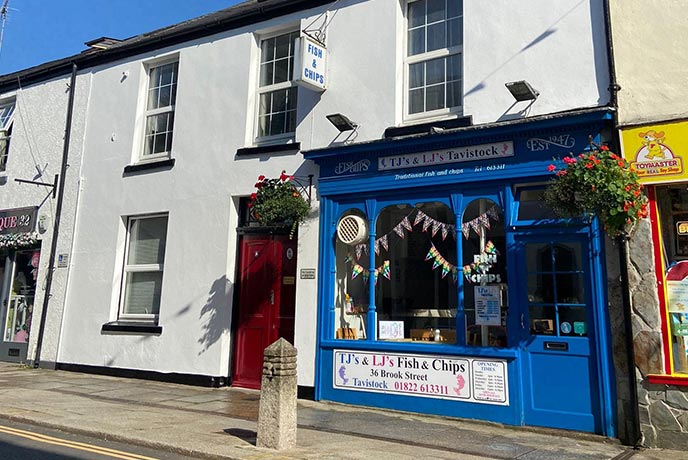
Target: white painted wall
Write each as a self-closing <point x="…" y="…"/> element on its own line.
<point x="649" y="52"/>
<point x="556" y="46"/>
<point x="37" y="144"/>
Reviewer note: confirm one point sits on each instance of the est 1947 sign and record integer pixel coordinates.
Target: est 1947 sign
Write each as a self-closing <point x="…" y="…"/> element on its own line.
<point x="444" y="377"/>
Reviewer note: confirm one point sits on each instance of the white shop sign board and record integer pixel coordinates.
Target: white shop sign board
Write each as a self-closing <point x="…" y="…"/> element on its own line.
<point x="444" y="377"/>
<point x="310" y="64"/>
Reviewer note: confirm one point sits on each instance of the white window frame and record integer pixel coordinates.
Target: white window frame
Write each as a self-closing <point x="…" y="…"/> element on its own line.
<point x="7" y="110"/>
<point x="285" y="85"/>
<point x="422" y="57"/>
<point x="148" y="113"/>
<point x="139" y="268"/>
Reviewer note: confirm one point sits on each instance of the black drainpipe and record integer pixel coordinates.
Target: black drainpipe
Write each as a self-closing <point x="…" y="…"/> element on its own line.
<point x="633" y="432"/>
<point x="58" y="212"/>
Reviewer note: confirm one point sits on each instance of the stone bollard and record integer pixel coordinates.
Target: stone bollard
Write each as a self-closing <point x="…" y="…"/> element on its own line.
<point x="277" y="412"/>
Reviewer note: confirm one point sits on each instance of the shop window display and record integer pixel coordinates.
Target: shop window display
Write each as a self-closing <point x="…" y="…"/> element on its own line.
<point x="20" y="303"/>
<point x="414" y="275"/>
<point x="485" y="274"/>
<point x="416" y="251"/>
<point x="672" y="204"/>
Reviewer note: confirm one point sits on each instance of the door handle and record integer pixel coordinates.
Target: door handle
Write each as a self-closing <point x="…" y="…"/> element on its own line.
<point x="523" y="326"/>
<point x="272" y="297"/>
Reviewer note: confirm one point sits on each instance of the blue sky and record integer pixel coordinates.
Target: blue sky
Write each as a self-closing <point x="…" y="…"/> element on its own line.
<point x="38" y="31"/>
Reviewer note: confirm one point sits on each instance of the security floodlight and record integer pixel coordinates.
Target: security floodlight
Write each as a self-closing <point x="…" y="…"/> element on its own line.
<point x="522" y="91"/>
<point x="341" y="122"/>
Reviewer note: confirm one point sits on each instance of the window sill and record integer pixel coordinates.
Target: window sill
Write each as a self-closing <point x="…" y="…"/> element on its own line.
<point x="131" y="327"/>
<point x="663" y="379"/>
<point x="273" y="148"/>
<point x="149" y="165"/>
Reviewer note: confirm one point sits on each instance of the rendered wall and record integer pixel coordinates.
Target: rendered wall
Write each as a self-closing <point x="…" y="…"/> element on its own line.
<point x="649" y="39"/>
<point x="37" y="145"/>
<point x="559" y="49"/>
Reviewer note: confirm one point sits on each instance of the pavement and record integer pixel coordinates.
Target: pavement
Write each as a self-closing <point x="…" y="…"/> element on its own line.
<point x="221" y="423"/>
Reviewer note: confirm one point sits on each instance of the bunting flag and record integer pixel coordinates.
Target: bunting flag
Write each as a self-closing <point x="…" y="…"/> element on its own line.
<point x="385" y="270"/>
<point x="435" y="227"/>
<point x="359" y="251"/>
<point x="480" y="222"/>
<point x="384" y="242"/>
<point x="399" y="230"/>
<point x="439" y="261"/>
<point x="427" y="223"/>
<point x="376" y="247"/>
<point x="445" y="231"/>
<point x="406" y="224"/>
<point x="358" y="270"/>
<point x="420" y="215"/>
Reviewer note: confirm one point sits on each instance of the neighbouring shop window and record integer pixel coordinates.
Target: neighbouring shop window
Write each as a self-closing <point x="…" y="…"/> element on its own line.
<point x="276" y="91"/>
<point x="434" y="57"/>
<point x="160" y="107"/>
<point x="6" y="116"/>
<point x="485" y="274"/>
<point x="415" y="273"/>
<point x="556" y="290"/>
<point x="23" y="271"/>
<point x="143" y="267"/>
<point x="672" y="204"/>
<point x="351" y="283"/>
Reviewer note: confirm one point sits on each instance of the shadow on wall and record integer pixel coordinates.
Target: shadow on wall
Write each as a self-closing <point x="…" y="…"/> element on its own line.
<point x="216" y="313"/>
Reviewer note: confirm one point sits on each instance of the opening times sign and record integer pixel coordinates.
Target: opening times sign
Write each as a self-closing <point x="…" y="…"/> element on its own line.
<point x="444" y="377"/>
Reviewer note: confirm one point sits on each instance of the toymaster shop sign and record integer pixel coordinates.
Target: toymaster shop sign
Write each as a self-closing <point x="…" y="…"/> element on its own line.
<point x="444" y="377"/>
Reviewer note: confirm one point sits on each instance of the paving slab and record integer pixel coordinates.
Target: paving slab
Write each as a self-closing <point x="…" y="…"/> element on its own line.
<point x="220" y="423"/>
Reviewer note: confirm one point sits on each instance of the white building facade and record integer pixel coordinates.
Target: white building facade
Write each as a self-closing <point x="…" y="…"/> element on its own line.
<point x="170" y="276"/>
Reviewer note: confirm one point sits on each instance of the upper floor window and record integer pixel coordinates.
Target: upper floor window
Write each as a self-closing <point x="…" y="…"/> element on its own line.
<point x="6" y="115"/>
<point x="434" y="57"/>
<point x="161" y="96"/>
<point x="277" y="93"/>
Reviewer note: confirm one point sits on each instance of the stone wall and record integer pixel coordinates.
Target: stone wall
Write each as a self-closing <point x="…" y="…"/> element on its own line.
<point x="663" y="409"/>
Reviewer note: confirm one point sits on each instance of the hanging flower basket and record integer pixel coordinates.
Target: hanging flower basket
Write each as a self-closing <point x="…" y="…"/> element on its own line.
<point x="18" y="240"/>
<point x="597" y="182"/>
<point x="277" y="202"/>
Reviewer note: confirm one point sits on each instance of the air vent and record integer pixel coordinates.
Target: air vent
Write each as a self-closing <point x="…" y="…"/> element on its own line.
<point x="352" y="230"/>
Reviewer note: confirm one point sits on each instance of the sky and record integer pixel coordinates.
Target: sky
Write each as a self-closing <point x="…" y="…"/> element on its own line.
<point x="39" y="31"/>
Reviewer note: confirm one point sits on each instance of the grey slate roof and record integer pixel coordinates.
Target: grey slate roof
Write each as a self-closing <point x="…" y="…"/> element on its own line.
<point x="243" y="14"/>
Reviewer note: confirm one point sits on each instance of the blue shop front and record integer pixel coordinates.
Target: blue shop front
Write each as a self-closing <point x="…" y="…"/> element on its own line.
<point x="447" y="286"/>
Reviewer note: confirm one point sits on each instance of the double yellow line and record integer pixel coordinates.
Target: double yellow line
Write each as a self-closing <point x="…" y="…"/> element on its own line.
<point x="73" y="444"/>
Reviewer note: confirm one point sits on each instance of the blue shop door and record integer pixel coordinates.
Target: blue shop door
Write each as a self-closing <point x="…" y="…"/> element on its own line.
<point x="559" y="368"/>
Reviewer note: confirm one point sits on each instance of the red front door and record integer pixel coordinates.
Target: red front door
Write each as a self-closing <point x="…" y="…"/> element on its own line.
<point x="267" y="297"/>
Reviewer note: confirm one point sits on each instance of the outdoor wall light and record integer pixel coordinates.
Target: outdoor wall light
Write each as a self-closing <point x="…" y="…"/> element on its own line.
<point x="341" y="122"/>
<point x="522" y="91"/>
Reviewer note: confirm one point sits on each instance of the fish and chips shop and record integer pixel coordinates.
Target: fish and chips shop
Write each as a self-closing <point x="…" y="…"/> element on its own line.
<point x="447" y="286"/>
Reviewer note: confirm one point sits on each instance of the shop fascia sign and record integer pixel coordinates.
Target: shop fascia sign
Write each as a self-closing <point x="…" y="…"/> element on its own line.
<point x="20" y="220"/>
<point x="657" y="152"/>
<point x="447" y="156"/>
<point x="310" y="64"/>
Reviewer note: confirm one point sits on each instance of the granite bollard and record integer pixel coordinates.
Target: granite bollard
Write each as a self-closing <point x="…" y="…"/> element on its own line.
<point x="277" y="410"/>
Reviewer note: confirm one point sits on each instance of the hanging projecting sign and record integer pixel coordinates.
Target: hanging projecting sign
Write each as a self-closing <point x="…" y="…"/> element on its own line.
<point x="310" y="64"/>
<point x="21" y="220"/>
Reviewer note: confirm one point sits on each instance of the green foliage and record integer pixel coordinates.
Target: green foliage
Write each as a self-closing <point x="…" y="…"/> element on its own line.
<point x="597" y="182"/>
<point x="277" y="202"/>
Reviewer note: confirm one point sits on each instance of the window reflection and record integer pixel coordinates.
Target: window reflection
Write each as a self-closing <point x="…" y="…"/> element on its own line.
<point x="556" y="289"/>
<point x="485" y="274"/>
<point x="418" y="244"/>
<point x="351" y="288"/>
